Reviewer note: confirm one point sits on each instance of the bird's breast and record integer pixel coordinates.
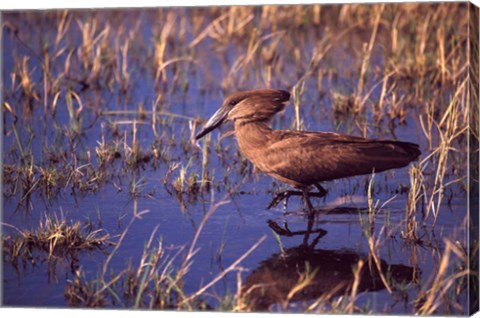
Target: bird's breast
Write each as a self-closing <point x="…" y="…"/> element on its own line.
<point x="253" y="142"/>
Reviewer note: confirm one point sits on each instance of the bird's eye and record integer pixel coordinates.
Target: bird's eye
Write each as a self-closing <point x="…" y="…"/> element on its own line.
<point x="233" y="103"/>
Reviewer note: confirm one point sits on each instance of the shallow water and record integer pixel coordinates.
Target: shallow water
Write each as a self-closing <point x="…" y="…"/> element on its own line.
<point x="240" y="222"/>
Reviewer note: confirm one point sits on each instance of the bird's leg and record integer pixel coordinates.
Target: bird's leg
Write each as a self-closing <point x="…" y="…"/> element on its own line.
<point x="321" y="233"/>
<point x="308" y="203"/>
<point x="321" y="190"/>
<point x="309" y="230"/>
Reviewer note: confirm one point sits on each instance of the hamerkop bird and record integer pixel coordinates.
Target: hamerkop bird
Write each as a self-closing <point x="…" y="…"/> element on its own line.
<point x="302" y="159"/>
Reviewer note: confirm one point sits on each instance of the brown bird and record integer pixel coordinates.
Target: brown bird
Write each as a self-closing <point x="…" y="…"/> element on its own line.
<point x="301" y="158"/>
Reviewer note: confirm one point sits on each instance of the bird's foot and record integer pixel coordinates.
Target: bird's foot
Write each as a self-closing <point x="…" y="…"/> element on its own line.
<point x="281" y="196"/>
<point x="285" y="231"/>
<point x="285" y="195"/>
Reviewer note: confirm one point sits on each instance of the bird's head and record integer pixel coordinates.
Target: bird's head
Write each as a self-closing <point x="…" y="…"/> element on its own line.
<point x="247" y="106"/>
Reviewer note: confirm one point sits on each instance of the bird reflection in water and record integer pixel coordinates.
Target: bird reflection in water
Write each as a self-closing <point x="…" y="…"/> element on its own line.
<point x="333" y="275"/>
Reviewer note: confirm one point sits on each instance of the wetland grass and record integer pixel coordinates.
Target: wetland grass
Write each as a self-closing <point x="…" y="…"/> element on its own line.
<point x="54" y="236"/>
<point x="156" y="283"/>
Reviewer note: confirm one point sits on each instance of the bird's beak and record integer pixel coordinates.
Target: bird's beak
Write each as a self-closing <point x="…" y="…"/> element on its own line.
<point x="216" y="120"/>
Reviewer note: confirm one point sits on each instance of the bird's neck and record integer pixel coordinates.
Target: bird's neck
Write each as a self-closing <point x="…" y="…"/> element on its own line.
<point x="251" y="137"/>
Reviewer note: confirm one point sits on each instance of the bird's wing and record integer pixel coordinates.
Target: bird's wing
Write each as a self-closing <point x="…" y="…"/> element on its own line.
<point x="308" y="157"/>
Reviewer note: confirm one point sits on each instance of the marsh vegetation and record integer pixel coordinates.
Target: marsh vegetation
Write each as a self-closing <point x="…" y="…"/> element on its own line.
<point x="108" y="200"/>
